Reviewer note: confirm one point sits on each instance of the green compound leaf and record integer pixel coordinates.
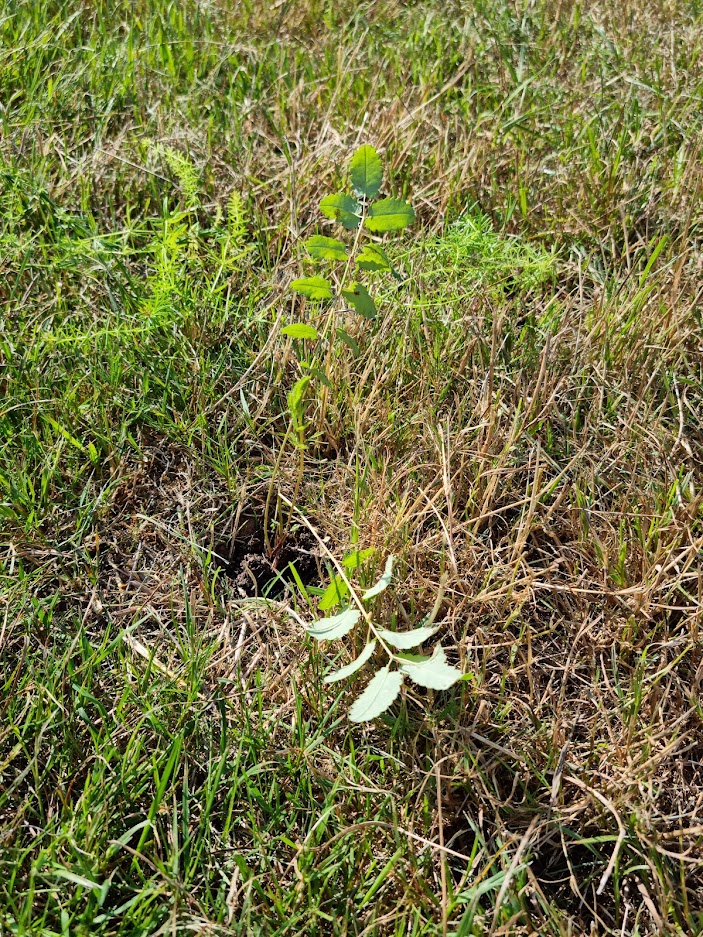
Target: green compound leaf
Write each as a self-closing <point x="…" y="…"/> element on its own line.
<point x="378" y="695"/>
<point x="313" y="287"/>
<point x="336" y="626"/>
<point x="323" y="248"/>
<point x="353" y="667"/>
<point x="366" y="171"/>
<point x="433" y="672"/>
<point x="373" y="257"/>
<point x="299" y="330"/>
<point x="390" y="214"/>
<point x="404" y="640"/>
<point x="382" y="583"/>
<point x="342" y="208"/>
<point x="359" y="298"/>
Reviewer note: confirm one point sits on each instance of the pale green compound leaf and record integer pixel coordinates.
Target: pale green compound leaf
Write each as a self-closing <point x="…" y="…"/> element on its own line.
<point x="333" y="595"/>
<point x="353" y="667"/>
<point x="323" y="248"/>
<point x="434" y="673"/>
<point x="366" y="171"/>
<point x="358" y="297"/>
<point x="300" y="330"/>
<point x="390" y="214"/>
<point x="313" y="287"/>
<point x="336" y="626"/>
<point x="382" y="583"/>
<point x="404" y="640"/>
<point x="381" y="693"/>
<point x="342" y="208"/>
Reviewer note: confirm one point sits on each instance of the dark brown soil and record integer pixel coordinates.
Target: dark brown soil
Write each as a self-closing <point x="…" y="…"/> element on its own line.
<point x="255" y="571"/>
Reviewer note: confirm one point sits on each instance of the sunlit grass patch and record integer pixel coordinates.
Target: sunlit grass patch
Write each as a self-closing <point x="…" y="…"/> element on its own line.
<point x="519" y="425"/>
<point x="471" y="254"/>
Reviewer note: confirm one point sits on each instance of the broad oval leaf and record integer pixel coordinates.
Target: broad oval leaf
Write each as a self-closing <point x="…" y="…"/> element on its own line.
<point x="382" y="583"/>
<point x="336" y="626"/>
<point x="334" y="594"/>
<point x="378" y="695"/>
<point x="323" y="248"/>
<point x="373" y="257"/>
<point x="342" y="208"/>
<point x="300" y="330"/>
<point x="366" y="171"/>
<point x="359" y="298"/>
<point x="404" y="640"/>
<point x="353" y="667"/>
<point x="434" y="673"/>
<point x="390" y="214"/>
<point x="313" y="287"/>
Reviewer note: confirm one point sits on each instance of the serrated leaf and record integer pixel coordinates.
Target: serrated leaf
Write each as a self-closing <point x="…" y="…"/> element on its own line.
<point x="342" y="208"/>
<point x="300" y="330"/>
<point x="404" y="640"/>
<point x="373" y="257"/>
<point x="357" y="557"/>
<point x="336" y="626"/>
<point x="313" y="287"/>
<point x="358" y="297"/>
<point x="382" y="583"/>
<point x="353" y="667"/>
<point x="349" y="342"/>
<point x="381" y="693"/>
<point x="334" y="594"/>
<point x="323" y="248"/>
<point x="366" y="171"/>
<point x="434" y="673"/>
<point x="390" y="214"/>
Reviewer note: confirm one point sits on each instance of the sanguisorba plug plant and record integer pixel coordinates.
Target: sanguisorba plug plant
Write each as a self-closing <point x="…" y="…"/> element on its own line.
<point x="366" y="216"/>
<point x="427" y="670"/>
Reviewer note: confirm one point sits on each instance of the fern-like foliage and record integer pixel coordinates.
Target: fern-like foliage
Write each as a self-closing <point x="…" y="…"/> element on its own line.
<point x="186" y="175"/>
<point x="236" y="220"/>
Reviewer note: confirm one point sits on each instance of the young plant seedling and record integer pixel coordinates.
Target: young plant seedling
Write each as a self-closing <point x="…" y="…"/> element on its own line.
<point x="363" y="217"/>
<point x="364" y="214"/>
<point x="427" y="670"/>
